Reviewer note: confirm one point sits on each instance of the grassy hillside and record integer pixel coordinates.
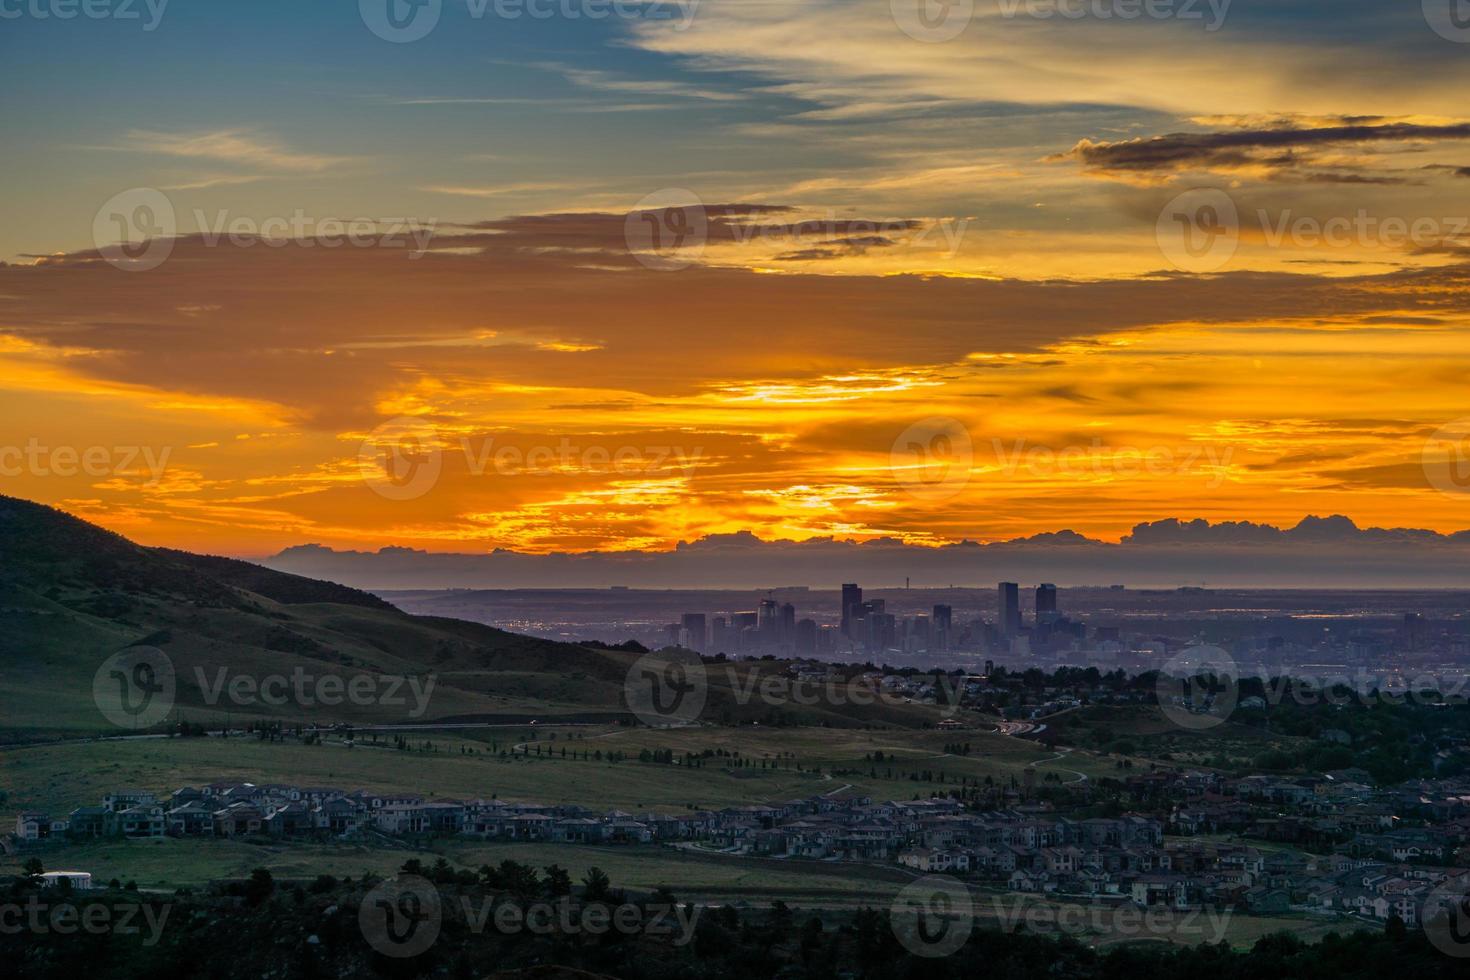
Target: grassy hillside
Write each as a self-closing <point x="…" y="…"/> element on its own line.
<point x="73" y="594"/>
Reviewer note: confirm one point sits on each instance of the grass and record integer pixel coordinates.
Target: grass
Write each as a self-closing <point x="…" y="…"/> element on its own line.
<point x="58" y="777"/>
<point x="169" y="864"/>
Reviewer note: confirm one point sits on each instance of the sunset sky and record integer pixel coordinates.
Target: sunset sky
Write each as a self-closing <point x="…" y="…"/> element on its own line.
<point x="1052" y="272"/>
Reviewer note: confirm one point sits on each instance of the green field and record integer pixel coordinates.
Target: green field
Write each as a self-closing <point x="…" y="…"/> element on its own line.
<point x="169" y="864"/>
<point x="59" y="777"/>
<point x="173" y="863"/>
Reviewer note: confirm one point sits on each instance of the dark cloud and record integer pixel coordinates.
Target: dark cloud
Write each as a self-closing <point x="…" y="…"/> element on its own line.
<point x="1285" y="150"/>
<point x="837" y="248"/>
<point x="722" y="223"/>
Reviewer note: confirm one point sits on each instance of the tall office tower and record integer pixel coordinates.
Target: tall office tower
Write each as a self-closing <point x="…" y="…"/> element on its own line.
<point x="1010" y="609"/>
<point x="672" y="635"/>
<point x="921" y="633"/>
<point x="719" y="638"/>
<point x="882" y="628"/>
<point x="695" y="636"/>
<point x="744" y="620"/>
<point x="852" y="600"/>
<point x="786" y="624"/>
<point x="768" y="615"/>
<point x="806" y="637"/>
<point x="1046" y="604"/>
<point x="1413" y="633"/>
<point x="943" y="620"/>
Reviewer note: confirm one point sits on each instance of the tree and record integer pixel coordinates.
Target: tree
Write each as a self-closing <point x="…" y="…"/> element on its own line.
<point x="596" y="884"/>
<point x="519" y="879"/>
<point x="258" y="886"/>
<point x="558" y="882"/>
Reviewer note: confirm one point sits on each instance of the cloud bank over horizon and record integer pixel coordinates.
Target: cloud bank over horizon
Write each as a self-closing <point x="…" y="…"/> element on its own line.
<point x="1317" y="552"/>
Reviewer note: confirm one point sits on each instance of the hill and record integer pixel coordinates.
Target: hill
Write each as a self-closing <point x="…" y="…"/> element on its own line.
<point x="72" y="595"/>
